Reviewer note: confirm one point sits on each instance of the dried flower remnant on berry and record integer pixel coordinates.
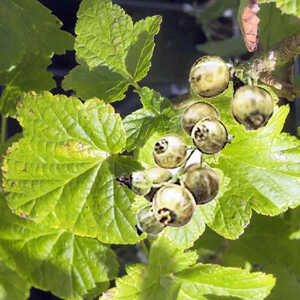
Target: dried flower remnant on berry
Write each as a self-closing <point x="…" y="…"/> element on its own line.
<point x="173" y="205"/>
<point x="210" y="136"/>
<point x="169" y="152"/>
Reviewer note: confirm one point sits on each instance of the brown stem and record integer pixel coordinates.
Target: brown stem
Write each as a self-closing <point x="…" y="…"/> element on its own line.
<point x="271" y="60"/>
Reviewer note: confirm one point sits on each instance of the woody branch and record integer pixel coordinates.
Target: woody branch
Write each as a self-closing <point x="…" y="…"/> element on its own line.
<point x="262" y="66"/>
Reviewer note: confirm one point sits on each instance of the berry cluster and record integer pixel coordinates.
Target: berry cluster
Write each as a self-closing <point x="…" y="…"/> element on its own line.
<point x="174" y="198"/>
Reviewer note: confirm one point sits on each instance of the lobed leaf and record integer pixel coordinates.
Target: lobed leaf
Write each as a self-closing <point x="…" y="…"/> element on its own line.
<point x="51" y="259"/>
<point x="172" y="274"/>
<point x="113" y="52"/>
<point x="63" y="172"/>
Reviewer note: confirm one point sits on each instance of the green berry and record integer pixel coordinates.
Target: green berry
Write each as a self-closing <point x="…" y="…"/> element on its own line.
<point x="202" y="182"/>
<point x="170" y="152"/>
<point x="209" y="76"/>
<point x="159" y="175"/>
<point x="147" y="222"/>
<point x="197" y="112"/>
<point x="210" y="135"/>
<point x="252" y="106"/>
<point x="173" y="205"/>
<point x="141" y="182"/>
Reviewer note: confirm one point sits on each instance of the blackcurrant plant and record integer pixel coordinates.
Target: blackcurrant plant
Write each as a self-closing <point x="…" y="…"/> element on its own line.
<point x="176" y="181"/>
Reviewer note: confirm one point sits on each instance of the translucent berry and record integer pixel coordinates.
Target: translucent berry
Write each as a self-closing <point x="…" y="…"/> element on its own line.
<point x="141" y="182"/>
<point x="252" y="106"/>
<point x="210" y="135"/>
<point x="203" y="182"/>
<point x="197" y="112"/>
<point x="159" y="175"/>
<point x="173" y="205"/>
<point x="170" y="152"/>
<point x="209" y="76"/>
<point x="147" y="222"/>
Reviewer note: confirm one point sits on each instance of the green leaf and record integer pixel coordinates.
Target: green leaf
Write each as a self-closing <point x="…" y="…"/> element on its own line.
<point x="18" y="23"/>
<point x="229" y="213"/>
<point x="225" y="48"/>
<point x="166" y="258"/>
<point x="155" y="281"/>
<point x="267" y="247"/>
<point x="63" y="172"/>
<point x="24" y="60"/>
<point x="96" y="291"/>
<point x="172" y="274"/>
<point x="3" y="149"/>
<point x="282" y="25"/>
<point x="153" y="117"/>
<point x="104" y="34"/>
<point x="29" y="74"/>
<point x="205" y="279"/>
<point x="12" y="286"/>
<point x="286" y="6"/>
<point x="139" y="126"/>
<point x="185" y="236"/>
<point x="138" y="59"/>
<point x="115" y="51"/>
<point x="8" y="101"/>
<point x="51" y="259"/>
<point x="295" y="235"/>
<point x="99" y="82"/>
<point x="139" y="285"/>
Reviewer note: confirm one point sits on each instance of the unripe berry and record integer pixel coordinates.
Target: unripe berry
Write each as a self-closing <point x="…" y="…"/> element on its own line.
<point x="170" y="152"/>
<point x="210" y="135"/>
<point x="209" y="76"/>
<point x="202" y="182"/>
<point x="173" y="205"/>
<point x="195" y="113"/>
<point x="159" y="175"/>
<point x="252" y="106"/>
<point x="147" y="222"/>
<point x="141" y="182"/>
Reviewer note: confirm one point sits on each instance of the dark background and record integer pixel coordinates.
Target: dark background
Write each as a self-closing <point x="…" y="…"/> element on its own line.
<point x="174" y="54"/>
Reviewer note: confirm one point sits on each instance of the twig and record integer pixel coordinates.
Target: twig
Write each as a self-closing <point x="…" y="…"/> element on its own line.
<point x="271" y="60"/>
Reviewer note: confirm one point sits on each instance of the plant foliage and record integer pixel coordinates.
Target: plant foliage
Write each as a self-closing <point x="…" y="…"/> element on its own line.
<point x="63" y="202"/>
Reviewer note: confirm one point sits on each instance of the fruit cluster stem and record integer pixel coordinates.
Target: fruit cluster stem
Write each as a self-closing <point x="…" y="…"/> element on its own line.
<point x="262" y="67"/>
